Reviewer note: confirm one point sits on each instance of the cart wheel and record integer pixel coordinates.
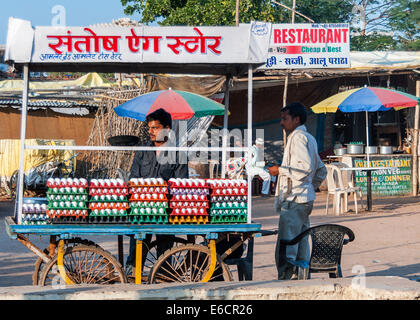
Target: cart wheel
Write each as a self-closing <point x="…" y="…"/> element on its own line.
<point x="40" y="264"/>
<point x="187" y="263"/>
<point x="150" y="255"/>
<point x="84" y="264"/>
<point x="13" y="182"/>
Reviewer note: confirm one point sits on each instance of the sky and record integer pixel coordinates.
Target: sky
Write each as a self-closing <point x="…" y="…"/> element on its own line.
<point x="77" y="12"/>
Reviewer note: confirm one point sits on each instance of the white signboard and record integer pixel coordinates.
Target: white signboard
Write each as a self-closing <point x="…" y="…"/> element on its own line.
<point x="247" y="43"/>
<point x="309" y="46"/>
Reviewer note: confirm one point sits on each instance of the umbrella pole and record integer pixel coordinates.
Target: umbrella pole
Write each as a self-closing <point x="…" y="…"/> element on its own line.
<point x="368" y="173"/>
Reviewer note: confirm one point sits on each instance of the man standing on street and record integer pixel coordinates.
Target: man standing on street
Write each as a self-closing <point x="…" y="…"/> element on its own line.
<point x="300" y="174"/>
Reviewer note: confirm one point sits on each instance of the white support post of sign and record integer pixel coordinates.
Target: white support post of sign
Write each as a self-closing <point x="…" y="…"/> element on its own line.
<point x="249" y="216"/>
<point x="225" y="127"/>
<point x="20" y="185"/>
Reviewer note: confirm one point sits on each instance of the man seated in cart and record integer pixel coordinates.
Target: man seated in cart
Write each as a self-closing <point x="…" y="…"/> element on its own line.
<point x="156" y="164"/>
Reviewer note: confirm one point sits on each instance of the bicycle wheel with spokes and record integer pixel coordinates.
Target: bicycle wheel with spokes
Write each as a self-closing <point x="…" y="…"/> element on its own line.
<point x="40" y="264"/>
<point x="13" y="183"/>
<point x="85" y="264"/>
<point x="187" y="263"/>
<point x="150" y="254"/>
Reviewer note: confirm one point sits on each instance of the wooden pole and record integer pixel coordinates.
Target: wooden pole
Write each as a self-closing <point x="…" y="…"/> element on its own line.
<point x="293" y="11"/>
<point x="286" y="80"/>
<point x="416" y="143"/>
<point x="286" y="83"/>
<point x="237" y="13"/>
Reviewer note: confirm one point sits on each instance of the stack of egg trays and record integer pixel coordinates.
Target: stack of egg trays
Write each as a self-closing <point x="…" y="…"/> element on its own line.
<point x="67" y="201"/>
<point x="148" y="201"/>
<point x="108" y="202"/>
<point x="189" y="201"/>
<point x="35" y="213"/>
<point x="228" y="201"/>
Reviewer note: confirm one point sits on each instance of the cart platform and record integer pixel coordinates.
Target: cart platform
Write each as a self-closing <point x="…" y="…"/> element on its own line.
<point x="67" y="231"/>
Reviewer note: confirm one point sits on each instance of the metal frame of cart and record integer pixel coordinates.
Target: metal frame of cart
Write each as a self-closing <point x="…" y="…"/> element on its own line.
<point x="258" y="35"/>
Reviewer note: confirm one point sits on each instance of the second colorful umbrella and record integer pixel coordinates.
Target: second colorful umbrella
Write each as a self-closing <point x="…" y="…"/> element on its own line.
<point x="366" y="99"/>
<point x="181" y="105"/>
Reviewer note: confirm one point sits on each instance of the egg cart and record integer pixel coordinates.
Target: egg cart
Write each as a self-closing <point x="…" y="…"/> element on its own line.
<point x="239" y="50"/>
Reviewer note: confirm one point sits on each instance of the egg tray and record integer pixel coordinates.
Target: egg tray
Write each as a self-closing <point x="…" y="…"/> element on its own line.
<point x="71" y="197"/>
<point x="195" y="214"/>
<point x="51" y="192"/>
<point x="108" y="205"/>
<point x="102" y="213"/>
<point x="69" y="213"/>
<point x="189" y="204"/>
<point x="228" y="198"/>
<point x="147" y="204"/>
<point x="95" y="192"/>
<point x="227" y="219"/>
<point x="218" y="205"/>
<point x="172" y="184"/>
<point x="223" y="212"/>
<point x="61" y="185"/>
<point x="51" y="207"/>
<point x="139" y="185"/>
<point x="132" y="199"/>
<point x="145" y="219"/>
<point x="45" y="217"/>
<point x="179" y="197"/>
<point x="189" y="190"/>
<point x="149" y="190"/>
<point x="92" y="185"/>
<point x="132" y="212"/>
<point x="189" y="220"/>
<point x="219" y="192"/>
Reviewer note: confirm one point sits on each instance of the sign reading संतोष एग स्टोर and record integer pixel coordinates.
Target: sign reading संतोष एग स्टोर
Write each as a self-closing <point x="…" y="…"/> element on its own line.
<point x="247" y="43"/>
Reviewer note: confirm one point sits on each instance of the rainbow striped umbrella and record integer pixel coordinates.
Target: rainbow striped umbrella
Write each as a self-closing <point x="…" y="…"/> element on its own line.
<point x="181" y="105"/>
<point x="367" y="99"/>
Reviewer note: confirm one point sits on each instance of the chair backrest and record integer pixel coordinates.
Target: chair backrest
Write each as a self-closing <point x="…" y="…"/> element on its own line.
<point x="346" y="175"/>
<point x="332" y="182"/>
<point x="327" y="244"/>
<point x="336" y="175"/>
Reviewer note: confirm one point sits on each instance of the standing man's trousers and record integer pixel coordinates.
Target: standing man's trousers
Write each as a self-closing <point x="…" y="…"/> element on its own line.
<point x="294" y="219"/>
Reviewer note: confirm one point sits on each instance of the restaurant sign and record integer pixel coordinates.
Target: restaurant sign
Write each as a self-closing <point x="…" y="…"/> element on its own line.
<point x="309" y="46"/>
<point x="386" y="182"/>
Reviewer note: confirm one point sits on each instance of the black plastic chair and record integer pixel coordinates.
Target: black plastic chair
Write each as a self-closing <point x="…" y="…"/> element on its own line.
<point x="327" y="244"/>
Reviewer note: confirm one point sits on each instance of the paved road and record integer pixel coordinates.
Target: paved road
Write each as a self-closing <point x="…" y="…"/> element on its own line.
<point x="387" y="241"/>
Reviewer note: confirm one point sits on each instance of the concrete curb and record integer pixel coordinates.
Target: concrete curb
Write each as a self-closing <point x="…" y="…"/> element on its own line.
<point x="371" y="288"/>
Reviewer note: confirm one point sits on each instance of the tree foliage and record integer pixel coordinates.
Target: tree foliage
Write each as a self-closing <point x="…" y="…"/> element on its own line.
<point x="386" y="25"/>
<point x="376" y="24"/>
